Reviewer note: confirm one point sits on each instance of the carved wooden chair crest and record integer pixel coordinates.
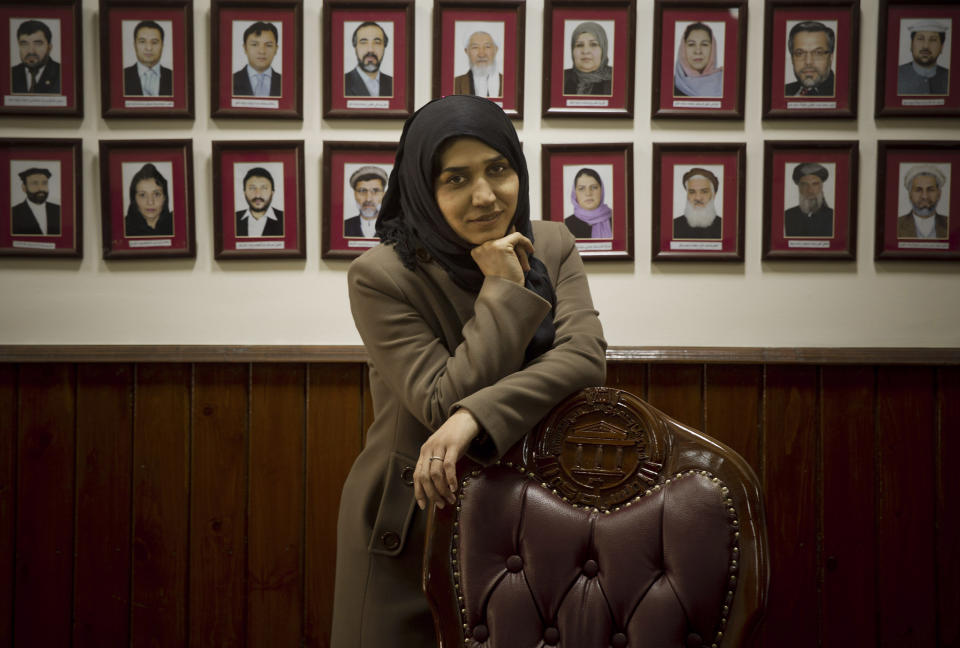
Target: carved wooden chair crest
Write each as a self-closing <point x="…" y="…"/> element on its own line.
<point x="611" y="524"/>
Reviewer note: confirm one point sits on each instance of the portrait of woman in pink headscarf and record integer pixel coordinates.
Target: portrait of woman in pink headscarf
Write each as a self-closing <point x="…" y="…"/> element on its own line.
<point x="696" y="73"/>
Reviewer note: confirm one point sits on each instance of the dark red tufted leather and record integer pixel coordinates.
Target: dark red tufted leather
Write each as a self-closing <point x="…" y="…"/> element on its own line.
<point x="662" y="569"/>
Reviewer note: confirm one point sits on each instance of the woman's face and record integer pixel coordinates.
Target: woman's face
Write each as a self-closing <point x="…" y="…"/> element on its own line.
<point x="699" y="45"/>
<point x="588" y="191"/>
<point x="587" y="53"/>
<point x="149" y="197"/>
<point x="476" y="190"/>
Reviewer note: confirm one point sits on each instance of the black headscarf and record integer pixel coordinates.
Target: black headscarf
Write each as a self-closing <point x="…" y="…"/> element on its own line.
<point x="410" y="219"/>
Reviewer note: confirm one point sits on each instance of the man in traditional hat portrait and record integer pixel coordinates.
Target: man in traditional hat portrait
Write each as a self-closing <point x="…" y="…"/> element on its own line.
<point x="368" y="183"/>
<point x="924" y="185"/>
<point x="36" y="73"/>
<point x="259" y="218"/>
<point x="923" y="75"/>
<point x="261" y="42"/>
<point x="35" y="216"/>
<point x="366" y="80"/>
<point x="699" y="219"/>
<point x="146" y="77"/>
<point x="812" y="216"/>
<point x="482" y="79"/>
<point x="811" y="46"/>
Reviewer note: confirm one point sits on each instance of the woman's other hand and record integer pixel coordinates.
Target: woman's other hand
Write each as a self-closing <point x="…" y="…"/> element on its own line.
<point x="504" y="257"/>
<point x="435" y="477"/>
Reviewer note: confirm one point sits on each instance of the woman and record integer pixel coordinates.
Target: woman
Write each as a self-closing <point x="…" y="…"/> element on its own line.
<point x="696" y="73"/>
<point x="476" y="323"/>
<point x="591" y="217"/>
<point x="591" y="74"/>
<point x="149" y="211"/>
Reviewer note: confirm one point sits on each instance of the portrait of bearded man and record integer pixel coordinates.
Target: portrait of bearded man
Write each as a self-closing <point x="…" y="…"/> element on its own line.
<point x="366" y="79"/>
<point x="924" y="184"/>
<point x="812" y="216"/>
<point x="483" y="78"/>
<point x="700" y="219"/>
<point x="37" y="72"/>
<point x="810" y="47"/>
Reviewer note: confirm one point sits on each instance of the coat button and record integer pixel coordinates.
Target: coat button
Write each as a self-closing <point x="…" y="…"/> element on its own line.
<point x="406" y="474"/>
<point x="619" y="640"/>
<point x="514" y="563"/>
<point x="480" y="633"/>
<point x="390" y="540"/>
<point x="590" y="568"/>
<point x="551" y="636"/>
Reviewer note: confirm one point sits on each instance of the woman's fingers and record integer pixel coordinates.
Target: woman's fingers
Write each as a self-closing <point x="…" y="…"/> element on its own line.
<point x="435" y="476"/>
<point x="504" y="257"/>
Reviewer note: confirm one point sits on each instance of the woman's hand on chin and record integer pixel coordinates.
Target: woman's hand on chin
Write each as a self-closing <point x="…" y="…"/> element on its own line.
<point x="504" y="257"/>
<point x="435" y="477"/>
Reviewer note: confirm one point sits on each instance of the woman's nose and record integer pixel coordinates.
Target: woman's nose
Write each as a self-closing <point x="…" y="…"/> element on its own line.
<point x="483" y="193"/>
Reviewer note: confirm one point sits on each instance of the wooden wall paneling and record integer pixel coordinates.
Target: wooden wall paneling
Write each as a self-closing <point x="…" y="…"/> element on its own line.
<point x="276" y="513"/>
<point x="631" y="377"/>
<point x="948" y="503"/>
<point x="790" y="490"/>
<point x="161" y="443"/>
<point x="44" y="541"/>
<point x="8" y="451"/>
<point x="906" y="543"/>
<point x="218" y="506"/>
<point x="677" y="390"/>
<point x="732" y="397"/>
<point x="849" y="541"/>
<point x="334" y="434"/>
<point x="104" y="463"/>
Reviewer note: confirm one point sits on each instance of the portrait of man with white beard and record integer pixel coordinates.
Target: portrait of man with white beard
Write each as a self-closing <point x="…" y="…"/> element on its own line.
<point x="483" y="78"/>
<point x="700" y="219"/>
<point x="367" y="184"/>
<point x="812" y="216"/>
<point x="925" y="185"/>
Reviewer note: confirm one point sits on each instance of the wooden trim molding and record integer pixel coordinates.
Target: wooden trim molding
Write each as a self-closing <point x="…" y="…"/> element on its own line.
<point x="355" y="353"/>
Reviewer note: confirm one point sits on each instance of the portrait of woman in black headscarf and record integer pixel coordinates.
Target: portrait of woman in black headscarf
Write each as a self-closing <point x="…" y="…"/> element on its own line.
<point x="476" y="322"/>
<point x="149" y="211"/>
<point x="591" y="73"/>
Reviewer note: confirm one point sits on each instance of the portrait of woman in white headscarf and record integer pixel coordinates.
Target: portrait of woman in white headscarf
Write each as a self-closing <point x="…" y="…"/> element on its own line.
<point x="696" y="73"/>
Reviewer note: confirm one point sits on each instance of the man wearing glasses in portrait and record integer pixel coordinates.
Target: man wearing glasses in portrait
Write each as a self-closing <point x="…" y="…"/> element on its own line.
<point x="811" y="45"/>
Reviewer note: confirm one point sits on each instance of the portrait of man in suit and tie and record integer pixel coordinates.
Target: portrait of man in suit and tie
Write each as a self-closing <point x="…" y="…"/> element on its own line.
<point x="810" y="48"/>
<point x="260" y="218"/>
<point x="261" y="42"/>
<point x="366" y="79"/>
<point x="37" y="72"/>
<point x="35" y="216"/>
<point x="147" y="77"/>
<point x="483" y="76"/>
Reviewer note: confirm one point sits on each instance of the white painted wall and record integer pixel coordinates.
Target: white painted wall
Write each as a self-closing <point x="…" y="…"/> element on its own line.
<point x="202" y="301"/>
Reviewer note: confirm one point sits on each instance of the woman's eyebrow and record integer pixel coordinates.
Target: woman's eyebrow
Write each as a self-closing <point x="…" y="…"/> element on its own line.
<point x="460" y="169"/>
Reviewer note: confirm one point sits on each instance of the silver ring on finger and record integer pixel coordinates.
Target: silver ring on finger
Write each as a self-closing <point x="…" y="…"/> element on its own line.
<point x="435" y="458"/>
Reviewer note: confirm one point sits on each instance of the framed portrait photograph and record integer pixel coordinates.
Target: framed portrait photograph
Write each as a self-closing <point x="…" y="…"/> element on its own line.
<point x="589" y="188"/>
<point x="41" y="202"/>
<point x="699" y="53"/>
<point x="918" y="204"/>
<point x="41" y="68"/>
<point x="917" y="57"/>
<point x="146" y="58"/>
<point x="810" y="200"/>
<point x="355" y="176"/>
<point x="368" y="66"/>
<point x="698" y="202"/>
<point x="588" y="58"/>
<point x="811" y="58"/>
<point x="259" y="207"/>
<point x="256" y="67"/>
<point x="480" y="50"/>
<point x="146" y="198"/>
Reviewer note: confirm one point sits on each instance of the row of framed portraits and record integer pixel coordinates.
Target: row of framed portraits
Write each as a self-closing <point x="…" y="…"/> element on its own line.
<point x="697" y="195"/>
<point x="699" y="57"/>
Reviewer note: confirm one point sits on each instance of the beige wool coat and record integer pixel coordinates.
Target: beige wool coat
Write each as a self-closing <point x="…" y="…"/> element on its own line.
<point x="434" y="348"/>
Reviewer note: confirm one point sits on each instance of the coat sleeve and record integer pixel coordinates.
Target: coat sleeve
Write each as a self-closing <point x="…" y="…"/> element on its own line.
<point x="413" y="360"/>
<point x="510" y="407"/>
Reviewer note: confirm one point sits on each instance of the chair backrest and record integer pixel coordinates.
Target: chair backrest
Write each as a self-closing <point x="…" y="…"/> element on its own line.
<point x="611" y="524"/>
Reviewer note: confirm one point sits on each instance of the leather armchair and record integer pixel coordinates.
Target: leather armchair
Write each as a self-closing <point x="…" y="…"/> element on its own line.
<point x="611" y="524"/>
